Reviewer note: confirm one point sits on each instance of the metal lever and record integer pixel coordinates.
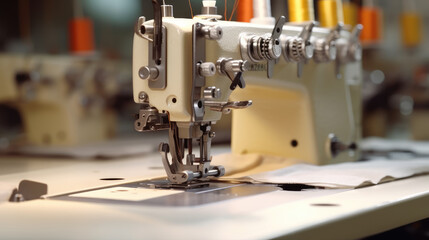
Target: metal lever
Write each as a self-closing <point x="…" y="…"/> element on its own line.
<point x="299" y="49"/>
<point x="157" y="34"/>
<point x="238" y="80"/>
<point x="275" y="35"/>
<point x="234" y="70"/>
<point x="225" y="107"/>
<point x="350" y="51"/>
<point x="308" y="47"/>
<point x="259" y="48"/>
<point x="335" y="33"/>
<point x="325" y="49"/>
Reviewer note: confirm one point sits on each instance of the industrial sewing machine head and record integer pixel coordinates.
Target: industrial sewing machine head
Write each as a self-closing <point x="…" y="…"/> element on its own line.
<point x="186" y="71"/>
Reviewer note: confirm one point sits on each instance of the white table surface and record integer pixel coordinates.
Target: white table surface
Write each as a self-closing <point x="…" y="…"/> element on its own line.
<point x="295" y="215"/>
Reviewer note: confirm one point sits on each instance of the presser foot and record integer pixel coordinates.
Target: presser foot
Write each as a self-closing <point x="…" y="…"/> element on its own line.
<point x="183" y="174"/>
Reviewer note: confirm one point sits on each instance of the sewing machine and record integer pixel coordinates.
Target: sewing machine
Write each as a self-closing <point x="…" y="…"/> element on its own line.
<point x="297" y="88"/>
<point x="62" y="100"/>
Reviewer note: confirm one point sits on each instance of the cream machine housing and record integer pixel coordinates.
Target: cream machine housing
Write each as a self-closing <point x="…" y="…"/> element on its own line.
<point x="186" y="71"/>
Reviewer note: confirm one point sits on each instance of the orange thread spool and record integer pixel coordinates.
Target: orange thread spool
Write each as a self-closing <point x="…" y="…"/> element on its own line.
<point x="245" y="10"/>
<point x="81" y="35"/>
<point x="370" y="18"/>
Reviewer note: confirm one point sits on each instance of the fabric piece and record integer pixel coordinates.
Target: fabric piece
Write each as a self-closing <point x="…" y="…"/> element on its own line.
<point x="254" y="168"/>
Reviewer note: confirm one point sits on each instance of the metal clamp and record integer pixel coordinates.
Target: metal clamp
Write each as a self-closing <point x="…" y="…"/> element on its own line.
<point x="258" y="48"/>
<point x="233" y="69"/>
<point x="299" y="49"/>
<point x="349" y="51"/>
<point x="325" y="49"/>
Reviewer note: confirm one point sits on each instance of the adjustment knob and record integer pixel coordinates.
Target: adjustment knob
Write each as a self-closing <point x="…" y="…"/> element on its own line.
<point x="212" y="32"/>
<point x="263" y="48"/>
<point x="271" y="48"/>
<point x="207" y="69"/>
<point x="351" y="51"/>
<point x="237" y="66"/>
<point x="300" y="50"/>
<point x="325" y="51"/>
<point x="148" y="72"/>
<point x="212" y="92"/>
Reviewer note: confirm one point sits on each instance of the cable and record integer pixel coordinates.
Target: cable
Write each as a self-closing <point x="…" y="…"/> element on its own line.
<point x="190" y="6"/>
<point x="224" y="15"/>
<point x="234" y="8"/>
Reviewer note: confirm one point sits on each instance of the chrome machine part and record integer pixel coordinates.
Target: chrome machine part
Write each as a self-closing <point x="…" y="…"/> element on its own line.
<point x="299" y="49"/>
<point x="148" y="72"/>
<point x="349" y="51"/>
<point x="259" y="48"/>
<point x="195" y="167"/>
<point x="212" y="93"/>
<point x="212" y="32"/>
<point x="226" y="107"/>
<point x="335" y="146"/>
<point x="149" y="119"/>
<point x="201" y="69"/>
<point x="325" y="49"/>
<point x="167" y="10"/>
<point x="234" y="70"/>
<point x="206" y="69"/>
<point x="157" y="37"/>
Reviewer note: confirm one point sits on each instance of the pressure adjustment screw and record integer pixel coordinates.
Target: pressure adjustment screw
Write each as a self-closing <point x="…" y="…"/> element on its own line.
<point x="212" y="92"/>
<point x="207" y="69"/>
<point x="212" y="32"/>
<point x="148" y="72"/>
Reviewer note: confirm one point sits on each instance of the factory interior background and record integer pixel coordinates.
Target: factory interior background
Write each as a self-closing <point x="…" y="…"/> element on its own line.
<point x="59" y="90"/>
<point x="395" y="68"/>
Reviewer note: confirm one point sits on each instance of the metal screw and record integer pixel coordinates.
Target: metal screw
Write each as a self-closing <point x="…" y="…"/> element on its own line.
<point x="207" y="69"/>
<point x="143" y="97"/>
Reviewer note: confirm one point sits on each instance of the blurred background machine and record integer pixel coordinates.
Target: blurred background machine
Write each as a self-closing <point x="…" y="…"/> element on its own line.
<point x="62" y="100"/>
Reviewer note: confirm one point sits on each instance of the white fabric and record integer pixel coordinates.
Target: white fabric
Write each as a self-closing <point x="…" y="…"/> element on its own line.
<point x="343" y="175"/>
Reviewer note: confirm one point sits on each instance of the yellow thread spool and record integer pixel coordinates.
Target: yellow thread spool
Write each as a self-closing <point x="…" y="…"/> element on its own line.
<point x="350" y="12"/>
<point x="328" y="16"/>
<point x="411" y="29"/>
<point x="301" y="11"/>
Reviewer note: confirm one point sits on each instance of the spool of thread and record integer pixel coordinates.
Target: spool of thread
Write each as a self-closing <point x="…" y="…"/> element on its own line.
<point x="411" y="29"/>
<point x="245" y="10"/>
<point x="370" y="18"/>
<point x="81" y="35"/>
<point x="301" y="11"/>
<point x="350" y="13"/>
<point x="340" y="14"/>
<point x="327" y="10"/>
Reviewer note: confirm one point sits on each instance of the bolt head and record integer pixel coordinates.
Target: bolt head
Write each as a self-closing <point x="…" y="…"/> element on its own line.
<point x="215" y="33"/>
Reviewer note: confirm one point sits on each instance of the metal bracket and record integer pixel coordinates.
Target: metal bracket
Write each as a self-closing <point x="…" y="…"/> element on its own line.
<point x="149" y="119"/>
<point x="198" y="81"/>
<point x="160" y="82"/>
